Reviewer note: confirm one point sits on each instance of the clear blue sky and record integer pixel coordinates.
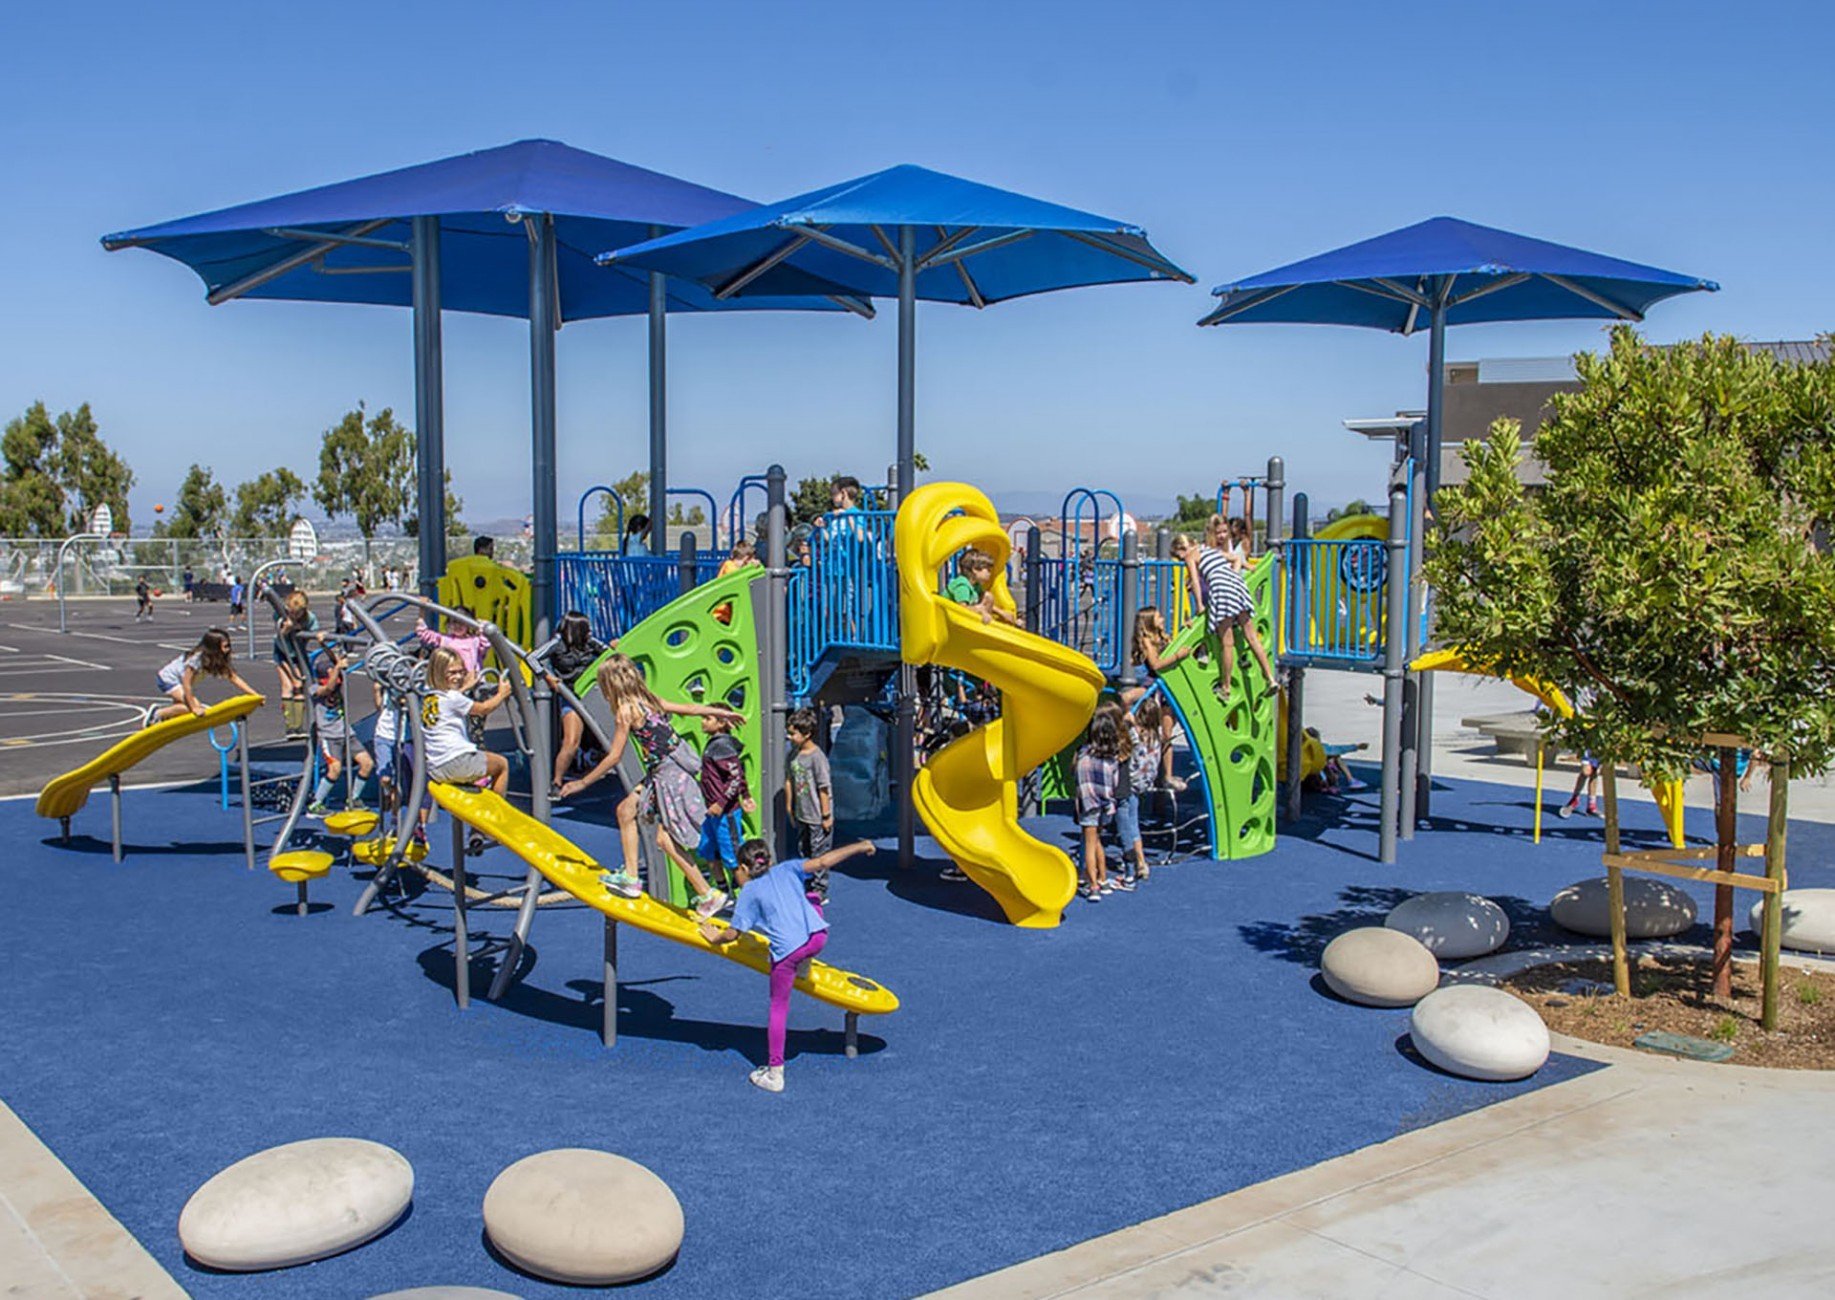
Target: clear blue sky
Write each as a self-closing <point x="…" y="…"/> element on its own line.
<point x="1691" y="136"/>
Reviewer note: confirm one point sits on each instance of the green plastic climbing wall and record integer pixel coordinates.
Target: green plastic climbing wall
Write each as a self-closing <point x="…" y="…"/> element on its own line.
<point x="701" y="648"/>
<point x="1234" y="741"/>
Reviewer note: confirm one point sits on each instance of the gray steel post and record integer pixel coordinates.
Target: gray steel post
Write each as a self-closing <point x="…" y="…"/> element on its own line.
<point x="1276" y="485"/>
<point x="1424" y="683"/>
<point x="608" y="1021"/>
<point x="429" y="405"/>
<point x="1394" y="666"/>
<point x="1130" y="601"/>
<point x="1035" y="576"/>
<point x="461" y="936"/>
<point x="850" y="1034"/>
<point x="659" y="409"/>
<point x="1300" y="578"/>
<point x="1412" y="737"/>
<point x="904" y="758"/>
<point x="1162" y="544"/>
<point x="114" y="814"/>
<point x="544" y="320"/>
<point x="685" y="564"/>
<point x="248" y="811"/>
<point x="774" y="673"/>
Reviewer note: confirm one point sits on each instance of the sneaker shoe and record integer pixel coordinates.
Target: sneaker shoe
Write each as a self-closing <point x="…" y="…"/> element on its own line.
<point x="1567" y="810"/>
<point x="1108" y="886"/>
<point x="1125" y="884"/>
<point x="151" y="716"/>
<point x="474" y="845"/>
<point x="952" y="872"/>
<point x="1592" y="808"/>
<point x="621" y="883"/>
<point x="1091" y="895"/>
<point x="317" y="810"/>
<point x="709" y="904"/>
<point x="768" y="1077"/>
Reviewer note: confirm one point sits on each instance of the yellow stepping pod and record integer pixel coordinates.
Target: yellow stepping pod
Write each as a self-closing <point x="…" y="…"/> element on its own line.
<point x="298" y="867"/>
<point x="353" y="823"/>
<point x="968" y="793"/>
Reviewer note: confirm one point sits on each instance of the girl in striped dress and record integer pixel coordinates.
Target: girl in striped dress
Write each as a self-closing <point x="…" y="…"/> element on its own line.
<point x="1229" y="610"/>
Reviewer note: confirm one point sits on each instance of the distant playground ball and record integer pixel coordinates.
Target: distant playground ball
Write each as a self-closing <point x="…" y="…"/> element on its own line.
<point x="159" y="508"/>
<point x="1452" y="925"/>
<point x="295" y="1203"/>
<point x="1378" y="967"/>
<point x="1809" y="919"/>
<point x="1478" y="1032"/>
<point x="583" y="1216"/>
<point x="1654" y="909"/>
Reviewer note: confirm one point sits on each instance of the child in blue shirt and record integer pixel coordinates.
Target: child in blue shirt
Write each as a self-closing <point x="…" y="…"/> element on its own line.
<point x="774" y="903"/>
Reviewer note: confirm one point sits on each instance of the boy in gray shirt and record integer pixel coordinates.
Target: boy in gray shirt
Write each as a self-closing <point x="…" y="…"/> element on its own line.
<point x="808" y="795"/>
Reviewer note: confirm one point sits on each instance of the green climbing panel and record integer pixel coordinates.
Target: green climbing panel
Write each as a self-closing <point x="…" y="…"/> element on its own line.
<point x="703" y="648"/>
<point x="1234" y="742"/>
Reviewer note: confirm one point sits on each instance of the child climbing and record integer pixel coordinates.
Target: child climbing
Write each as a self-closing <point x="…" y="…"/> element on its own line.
<point x="744" y="555"/>
<point x="1229" y="610"/>
<point x="452" y="755"/>
<point x="1150" y="641"/>
<point x="575" y="650"/>
<point x="334" y="735"/>
<point x="774" y="902"/>
<point x="670" y="793"/>
<point x="296" y="625"/>
<point x="213" y="656"/>
<point x="724" y="790"/>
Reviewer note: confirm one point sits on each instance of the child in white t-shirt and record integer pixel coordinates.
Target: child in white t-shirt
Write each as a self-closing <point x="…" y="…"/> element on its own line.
<point x="451" y="755"/>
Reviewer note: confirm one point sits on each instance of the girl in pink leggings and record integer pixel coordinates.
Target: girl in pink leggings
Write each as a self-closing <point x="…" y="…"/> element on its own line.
<point x="774" y="902"/>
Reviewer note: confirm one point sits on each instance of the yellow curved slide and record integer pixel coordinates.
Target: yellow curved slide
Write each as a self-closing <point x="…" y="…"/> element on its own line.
<point x="1667" y="794"/>
<point x="968" y="793"/>
<point x="568" y="866"/>
<point x="64" y="795"/>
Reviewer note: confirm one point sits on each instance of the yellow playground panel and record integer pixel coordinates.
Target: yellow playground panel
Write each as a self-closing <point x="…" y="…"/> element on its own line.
<point x="492" y="591"/>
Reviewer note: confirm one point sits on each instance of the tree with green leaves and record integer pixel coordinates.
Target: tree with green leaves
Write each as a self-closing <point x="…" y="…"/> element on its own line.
<point x="201" y="508"/>
<point x="366" y="472"/>
<point x="634" y="490"/>
<point x="31" y="498"/>
<point x="264" y="504"/>
<point x="91" y="473"/>
<point x="455" y="526"/>
<point x="1668" y="577"/>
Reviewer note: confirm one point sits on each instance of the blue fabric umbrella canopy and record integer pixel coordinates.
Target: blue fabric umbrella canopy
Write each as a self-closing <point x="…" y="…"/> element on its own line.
<point x="910" y="233"/>
<point x="349" y="242"/>
<point x="1472" y="273"/>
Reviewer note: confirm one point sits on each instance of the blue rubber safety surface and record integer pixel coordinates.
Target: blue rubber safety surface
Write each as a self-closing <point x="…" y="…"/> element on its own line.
<point x="169" y="1015"/>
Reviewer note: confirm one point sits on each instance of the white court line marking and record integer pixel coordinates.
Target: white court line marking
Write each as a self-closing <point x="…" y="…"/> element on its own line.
<point x="81" y="663"/>
<point x="6" y="715"/>
<point x="9" y="649"/>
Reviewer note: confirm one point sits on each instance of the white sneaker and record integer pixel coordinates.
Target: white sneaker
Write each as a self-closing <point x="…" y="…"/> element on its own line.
<point x="709" y="904"/>
<point x="768" y="1077"/>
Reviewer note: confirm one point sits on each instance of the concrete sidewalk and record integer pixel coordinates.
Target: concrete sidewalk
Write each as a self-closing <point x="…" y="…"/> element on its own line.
<point x="1650" y="1178"/>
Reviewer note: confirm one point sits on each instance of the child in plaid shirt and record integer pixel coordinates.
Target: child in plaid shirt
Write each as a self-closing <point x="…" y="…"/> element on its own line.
<point x="1098" y="772"/>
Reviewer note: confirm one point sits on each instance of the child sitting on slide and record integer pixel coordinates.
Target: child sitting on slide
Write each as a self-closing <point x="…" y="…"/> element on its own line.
<point x="724" y="790"/>
<point x="774" y="902"/>
<point x="213" y="656"/>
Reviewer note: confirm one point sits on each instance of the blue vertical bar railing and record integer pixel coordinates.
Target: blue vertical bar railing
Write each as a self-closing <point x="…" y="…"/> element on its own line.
<point x="847" y="595"/>
<point x="617" y="592"/>
<point x="1334" y="599"/>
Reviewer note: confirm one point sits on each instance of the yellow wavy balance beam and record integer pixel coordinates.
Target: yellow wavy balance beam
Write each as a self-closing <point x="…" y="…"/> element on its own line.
<point x="968" y="793"/>
<point x="64" y="795"/>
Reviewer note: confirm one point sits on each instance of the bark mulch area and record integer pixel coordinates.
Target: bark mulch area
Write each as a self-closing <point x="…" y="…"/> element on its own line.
<point x="1672" y="993"/>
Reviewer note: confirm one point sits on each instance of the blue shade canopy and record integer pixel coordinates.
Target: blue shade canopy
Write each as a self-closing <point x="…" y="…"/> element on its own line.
<point x="1478" y="273"/>
<point x="348" y="242"/>
<point x="974" y="244"/>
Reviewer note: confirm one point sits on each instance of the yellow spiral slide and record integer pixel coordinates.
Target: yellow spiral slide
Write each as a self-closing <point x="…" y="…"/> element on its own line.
<point x="968" y="793"/>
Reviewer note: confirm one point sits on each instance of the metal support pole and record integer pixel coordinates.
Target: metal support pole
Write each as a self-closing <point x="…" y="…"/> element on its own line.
<point x="608" y="1025"/>
<point x="1300" y="576"/>
<point x="1276" y="487"/>
<point x="299" y="907"/>
<point x="248" y="811"/>
<point x="1412" y="737"/>
<point x="429" y="405"/>
<point x="1394" y="665"/>
<point x="1035" y="579"/>
<point x="659" y="410"/>
<point x="851" y="1034"/>
<point x="114" y="813"/>
<point x="543" y="321"/>
<point x="461" y="938"/>
<point x="775" y="673"/>
<point x="685" y="564"/>
<point x="904" y="758"/>
<point x="1130" y="601"/>
<point x="1436" y="404"/>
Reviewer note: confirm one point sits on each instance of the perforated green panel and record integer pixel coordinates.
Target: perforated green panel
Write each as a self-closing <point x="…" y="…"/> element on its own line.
<point x="689" y="655"/>
<point x="1234" y="742"/>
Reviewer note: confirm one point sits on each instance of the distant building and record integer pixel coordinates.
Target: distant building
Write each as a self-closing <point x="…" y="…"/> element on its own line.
<point x="1478" y="393"/>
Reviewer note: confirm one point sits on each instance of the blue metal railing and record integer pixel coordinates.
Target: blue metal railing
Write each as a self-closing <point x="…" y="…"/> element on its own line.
<point x="847" y="596"/>
<point x="617" y="592"/>
<point x="1334" y="599"/>
<point x="580" y="510"/>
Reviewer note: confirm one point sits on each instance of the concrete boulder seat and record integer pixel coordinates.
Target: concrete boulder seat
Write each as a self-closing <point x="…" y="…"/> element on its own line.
<point x="1809" y="919"/>
<point x="446" y="1293"/>
<point x="1479" y="1032"/>
<point x="585" y="1217"/>
<point x="1452" y="925"/>
<point x="1378" y="967"/>
<point x="1654" y="909"/>
<point x="296" y="1203"/>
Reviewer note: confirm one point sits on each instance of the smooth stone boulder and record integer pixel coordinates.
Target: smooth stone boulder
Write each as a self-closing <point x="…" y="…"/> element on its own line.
<point x="1378" y="967"/>
<point x="295" y="1203"/>
<point x="447" y="1293"/>
<point x="1809" y="919"/>
<point x="581" y="1216"/>
<point x="1479" y="1032"/>
<point x="1452" y="925"/>
<point x="1654" y="909"/>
